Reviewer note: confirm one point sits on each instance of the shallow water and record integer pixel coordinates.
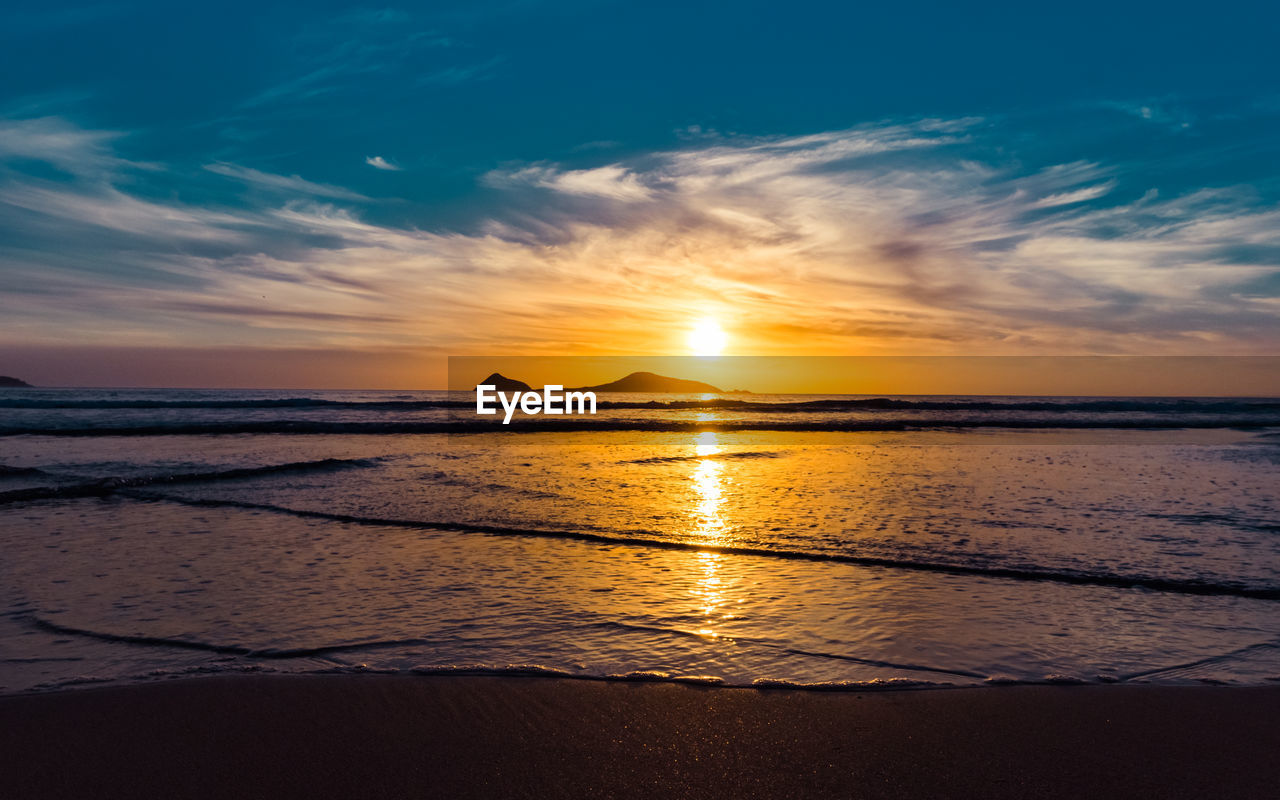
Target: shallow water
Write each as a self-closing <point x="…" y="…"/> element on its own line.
<point x="819" y="557"/>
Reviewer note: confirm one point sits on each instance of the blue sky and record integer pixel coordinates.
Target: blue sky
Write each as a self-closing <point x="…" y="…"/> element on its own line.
<point x="245" y="181"/>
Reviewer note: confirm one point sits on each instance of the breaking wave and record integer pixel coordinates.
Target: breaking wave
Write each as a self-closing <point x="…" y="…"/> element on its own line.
<point x="583" y="424"/>
<point x="106" y="486"/>
<point x="1178" y="405"/>
<point x="1106" y="579"/>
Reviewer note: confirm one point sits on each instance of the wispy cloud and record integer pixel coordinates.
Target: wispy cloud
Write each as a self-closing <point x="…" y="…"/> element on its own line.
<point x="61" y="144"/>
<point x="1081" y="195"/>
<point x="291" y="184"/>
<point x="613" y="181"/>
<point x="460" y="73"/>
<point x="378" y="162"/>
<point x="328" y="55"/>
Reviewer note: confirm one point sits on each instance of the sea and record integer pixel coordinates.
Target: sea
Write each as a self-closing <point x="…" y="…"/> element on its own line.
<point x="824" y="542"/>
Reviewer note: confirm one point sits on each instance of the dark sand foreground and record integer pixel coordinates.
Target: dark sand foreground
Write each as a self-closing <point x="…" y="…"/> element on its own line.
<point x="457" y="737"/>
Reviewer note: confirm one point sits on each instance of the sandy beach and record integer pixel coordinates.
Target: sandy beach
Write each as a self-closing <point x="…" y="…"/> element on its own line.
<point x="400" y="736"/>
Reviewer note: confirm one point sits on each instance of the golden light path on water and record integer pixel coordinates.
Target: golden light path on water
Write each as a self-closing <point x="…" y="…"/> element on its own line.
<point x="709" y="526"/>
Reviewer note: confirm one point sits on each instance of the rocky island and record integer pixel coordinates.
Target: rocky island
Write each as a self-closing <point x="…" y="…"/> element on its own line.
<point x="504" y="384"/>
<point x="649" y="382"/>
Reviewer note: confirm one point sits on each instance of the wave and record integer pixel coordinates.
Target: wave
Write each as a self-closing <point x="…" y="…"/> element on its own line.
<point x="1190" y="667"/>
<point x="522" y="670"/>
<point x="518" y="670"/>
<point x="233" y="652"/>
<point x="887" y="664"/>
<point x="581" y="425"/>
<point x="557" y="673"/>
<point x="106" y="486"/>
<point x="846" y="686"/>
<point x="1063" y="405"/>
<point x="746" y="455"/>
<point x="1105" y="579"/>
<point x="222" y="649"/>
<point x="456" y="670"/>
<point x="507" y="671"/>
<point x="284" y="402"/>
<point x="1178" y="405"/>
<point x="871" y="662"/>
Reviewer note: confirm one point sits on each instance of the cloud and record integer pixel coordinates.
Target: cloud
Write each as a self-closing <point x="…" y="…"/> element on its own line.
<point x="60" y="143"/>
<point x="614" y="181"/>
<point x="459" y="73"/>
<point x="1161" y="112"/>
<point x="291" y="184"/>
<point x="378" y="162"/>
<point x="882" y="237"/>
<point x="899" y="237"/>
<point x="330" y="55"/>
<point x="1081" y="195"/>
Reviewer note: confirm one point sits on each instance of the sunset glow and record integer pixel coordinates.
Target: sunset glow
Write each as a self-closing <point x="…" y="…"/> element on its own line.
<point x="707" y="338"/>
<point x="342" y="215"/>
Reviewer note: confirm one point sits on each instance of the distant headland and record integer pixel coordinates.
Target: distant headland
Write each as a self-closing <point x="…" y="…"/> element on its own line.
<point x="636" y="382"/>
<point x="504" y="384"/>
<point x="13" y="383"/>
<point x="649" y="382"/>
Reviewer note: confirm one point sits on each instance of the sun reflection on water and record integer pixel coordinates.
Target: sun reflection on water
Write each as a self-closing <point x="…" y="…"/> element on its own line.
<point x="709" y="526"/>
<point x="708" y="592"/>
<point x="708" y="487"/>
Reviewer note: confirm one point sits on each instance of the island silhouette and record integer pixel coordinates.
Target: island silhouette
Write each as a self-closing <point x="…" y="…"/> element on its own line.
<point x="650" y="382"/>
<point x="7" y="382"/>
<point x="636" y="382"/>
<point x="504" y="384"/>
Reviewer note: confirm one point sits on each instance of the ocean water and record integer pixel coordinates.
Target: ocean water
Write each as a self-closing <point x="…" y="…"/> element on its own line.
<point x="771" y="540"/>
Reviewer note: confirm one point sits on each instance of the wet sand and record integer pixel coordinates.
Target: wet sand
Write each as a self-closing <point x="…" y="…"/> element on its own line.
<point x="372" y="736"/>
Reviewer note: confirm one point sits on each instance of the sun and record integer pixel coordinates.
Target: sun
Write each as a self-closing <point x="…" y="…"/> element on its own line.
<point x="707" y="338"/>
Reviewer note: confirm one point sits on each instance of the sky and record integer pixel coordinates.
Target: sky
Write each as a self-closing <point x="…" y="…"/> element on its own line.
<point x="332" y="195"/>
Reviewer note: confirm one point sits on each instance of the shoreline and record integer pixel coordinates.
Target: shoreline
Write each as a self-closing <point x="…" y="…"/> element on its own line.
<point x="510" y="736"/>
